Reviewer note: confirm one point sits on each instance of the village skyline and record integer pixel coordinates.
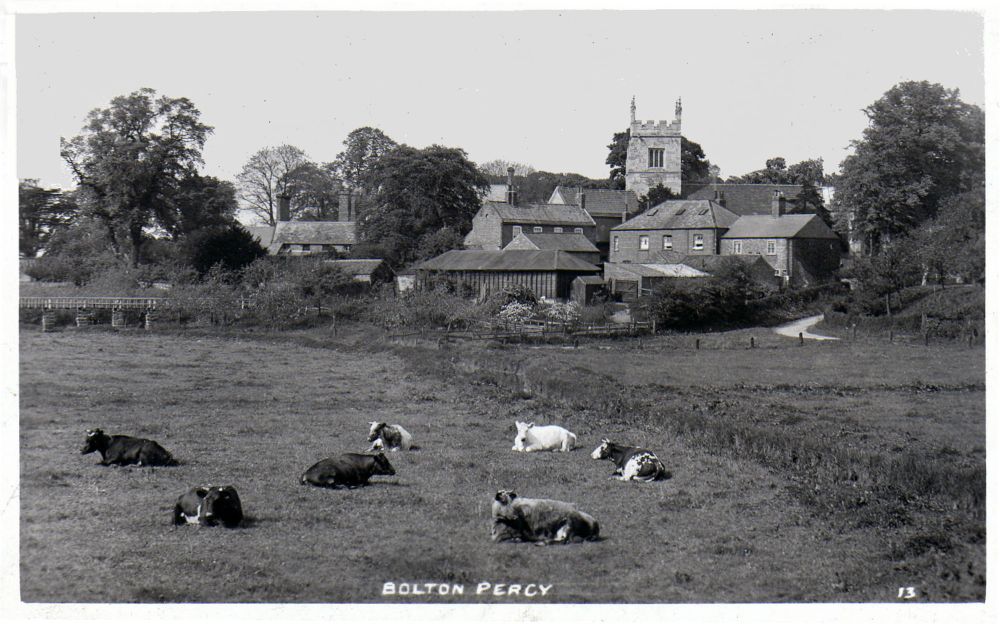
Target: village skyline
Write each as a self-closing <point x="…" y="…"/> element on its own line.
<point x="546" y="89"/>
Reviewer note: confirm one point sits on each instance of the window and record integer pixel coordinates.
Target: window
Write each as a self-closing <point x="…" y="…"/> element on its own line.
<point x="557" y="230"/>
<point x="537" y="229"/>
<point x="644" y="242"/>
<point x="698" y="242"/>
<point x="305" y="248"/>
<point x="737" y="247"/>
<point x="517" y="230"/>
<point x="616" y="243"/>
<point x="772" y="247"/>
<point x="656" y="157"/>
<point x="578" y="230"/>
<point x="668" y="242"/>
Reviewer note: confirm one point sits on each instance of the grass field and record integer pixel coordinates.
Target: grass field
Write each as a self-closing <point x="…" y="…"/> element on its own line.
<point x="833" y="472"/>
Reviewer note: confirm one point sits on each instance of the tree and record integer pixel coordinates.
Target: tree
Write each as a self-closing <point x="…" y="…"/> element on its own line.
<point x="130" y="159"/>
<point x="266" y="176"/>
<point x="41" y="211"/>
<point x="497" y="169"/>
<point x="617" y="158"/>
<point x="199" y="202"/>
<point x="363" y="148"/>
<point x="230" y="246"/>
<point x="420" y="191"/>
<point x="922" y="145"/>
<point x="76" y="253"/>
<point x="314" y="191"/>
<point x="656" y="195"/>
<point x="953" y="244"/>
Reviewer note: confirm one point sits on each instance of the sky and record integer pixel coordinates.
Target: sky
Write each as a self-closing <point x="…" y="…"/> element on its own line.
<point x="548" y="89"/>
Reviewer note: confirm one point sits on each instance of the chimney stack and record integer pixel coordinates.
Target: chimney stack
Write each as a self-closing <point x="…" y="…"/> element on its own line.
<point x="344" y="205"/>
<point x="511" y="193"/>
<point x="777" y="204"/>
<point x="720" y="198"/>
<point x="581" y="198"/>
<point x="283" y="209"/>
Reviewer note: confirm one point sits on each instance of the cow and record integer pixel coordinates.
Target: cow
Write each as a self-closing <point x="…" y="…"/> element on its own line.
<point x="631" y="462"/>
<point x="123" y="450"/>
<point x="209" y="506"/>
<point x="539" y="520"/>
<point x="349" y="470"/>
<point x="393" y="437"/>
<point x="531" y="437"/>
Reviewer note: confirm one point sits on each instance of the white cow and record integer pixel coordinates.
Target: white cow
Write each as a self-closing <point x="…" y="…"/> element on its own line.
<point x="391" y="437"/>
<point x="531" y="437"/>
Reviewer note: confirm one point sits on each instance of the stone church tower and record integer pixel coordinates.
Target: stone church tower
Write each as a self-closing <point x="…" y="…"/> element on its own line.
<point x="654" y="154"/>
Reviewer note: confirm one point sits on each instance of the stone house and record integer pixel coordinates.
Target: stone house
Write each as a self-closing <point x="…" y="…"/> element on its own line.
<point x="572" y="243"/>
<point x="607" y="207"/>
<point x="670" y="231"/>
<point x="300" y="238"/>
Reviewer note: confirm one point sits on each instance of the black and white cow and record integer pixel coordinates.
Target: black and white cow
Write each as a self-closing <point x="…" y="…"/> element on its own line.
<point x="123" y="450"/>
<point x="539" y="520"/>
<point x="349" y="470"/>
<point x="631" y="462"/>
<point x="209" y="506"/>
<point x="392" y="437"/>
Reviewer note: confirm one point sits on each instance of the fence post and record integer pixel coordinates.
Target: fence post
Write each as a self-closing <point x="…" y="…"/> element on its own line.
<point x="970" y="340"/>
<point x="927" y="338"/>
<point x="117" y="318"/>
<point x="150" y="319"/>
<point x="48" y="320"/>
<point x="697" y="344"/>
<point x="802" y="340"/>
<point x="654" y="327"/>
<point x="854" y="331"/>
<point x="890" y="335"/>
<point x="751" y="342"/>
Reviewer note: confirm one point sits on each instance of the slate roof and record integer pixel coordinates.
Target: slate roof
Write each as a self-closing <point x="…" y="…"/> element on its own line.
<point x="567" y="241"/>
<point x="312" y="233"/>
<point x="360" y="266"/>
<point x="620" y="270"/>
<point x="513" y="260"/>
<point x="599" y="202"/>
<point x="681" y="214"/>
<point x="747" y="199"/>
<point x="594" y="280"/>
<point x="261" y="233"/>
<point x="712" y="263"/>
<point x="785" y="226"/>
<point x="541" y="214"/>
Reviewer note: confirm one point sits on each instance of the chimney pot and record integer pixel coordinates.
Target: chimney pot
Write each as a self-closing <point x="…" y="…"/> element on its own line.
<point x="284" y="212"/>
<point x="511" y="193"/>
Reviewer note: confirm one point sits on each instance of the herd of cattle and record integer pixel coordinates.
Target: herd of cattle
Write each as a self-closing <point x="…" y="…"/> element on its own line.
<point x="515" y="519"/>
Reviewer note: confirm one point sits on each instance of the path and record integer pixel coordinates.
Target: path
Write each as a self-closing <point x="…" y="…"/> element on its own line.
<point x="802" y="325"/>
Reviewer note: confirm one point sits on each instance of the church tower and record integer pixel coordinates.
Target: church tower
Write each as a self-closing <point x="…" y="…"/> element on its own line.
<point x="654" y="154"/>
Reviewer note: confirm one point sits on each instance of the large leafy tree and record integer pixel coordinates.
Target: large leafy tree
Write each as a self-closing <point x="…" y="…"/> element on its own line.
<point x="363" y="148"/>
<point x="266" y="176"/>
<point x="130" y="160"/>
<point x="922" y="145"/>
<point x="420" y="192"/>
<point x="200" y="202"/>
<point x="314" y="190"/>
<point x="41" y="211"/>
<point x="808" y="174"/>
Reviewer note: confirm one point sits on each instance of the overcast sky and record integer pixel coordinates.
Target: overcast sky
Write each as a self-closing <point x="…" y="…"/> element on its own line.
<point x="547" y="89"/>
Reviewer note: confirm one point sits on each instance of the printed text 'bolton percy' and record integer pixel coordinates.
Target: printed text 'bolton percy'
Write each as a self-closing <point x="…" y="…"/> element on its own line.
<point x="530" y="590"/>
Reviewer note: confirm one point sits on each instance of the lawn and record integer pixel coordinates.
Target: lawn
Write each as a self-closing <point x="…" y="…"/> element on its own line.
<point x="730" y="526"/>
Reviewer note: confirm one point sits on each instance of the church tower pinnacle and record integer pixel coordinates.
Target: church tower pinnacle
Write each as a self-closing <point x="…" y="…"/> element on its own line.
<point x="633" y="108"/>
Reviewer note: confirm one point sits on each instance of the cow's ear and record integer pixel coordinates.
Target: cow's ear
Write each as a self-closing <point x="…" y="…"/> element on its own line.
<point x="530" y="425"/>
<point x="605" y="441"/>
<point x="511" y="494"/>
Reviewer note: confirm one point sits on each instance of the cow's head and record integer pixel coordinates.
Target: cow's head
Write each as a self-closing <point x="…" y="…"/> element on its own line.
<point x="96" y="440"/>
<point x="222" y="504"/>
<point x="505" y="497"/>
<point x="522" y="433"/>
<point x="374" y="430"/>
<point x="603" y="451"/>
<point x="382" y="465"/>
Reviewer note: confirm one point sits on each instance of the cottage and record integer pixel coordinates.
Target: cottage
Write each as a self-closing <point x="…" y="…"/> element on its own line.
<point x="801" y="248"/>
<point x="572" y="243"/>
<point x="299" y="238"/>
<point x="497" y="223"/>
<point x="547" y="273"/>
<point x="674" y="227"/>
<point x="607" y="207"/>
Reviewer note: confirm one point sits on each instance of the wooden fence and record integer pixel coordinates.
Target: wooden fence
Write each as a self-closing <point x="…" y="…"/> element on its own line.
<point x="92" y="303"/>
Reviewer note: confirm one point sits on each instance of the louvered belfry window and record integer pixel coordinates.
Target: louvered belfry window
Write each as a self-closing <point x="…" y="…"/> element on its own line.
<point x="656" y="157"/>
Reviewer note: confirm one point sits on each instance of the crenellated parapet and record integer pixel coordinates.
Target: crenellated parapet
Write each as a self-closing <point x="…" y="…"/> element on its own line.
<point x="654" y="127"/>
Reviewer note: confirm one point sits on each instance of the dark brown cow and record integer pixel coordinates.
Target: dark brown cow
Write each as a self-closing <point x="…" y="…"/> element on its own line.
<point x="209" y="506"/>
<point x="348" y="470"/>
<point x="123" y="450"/>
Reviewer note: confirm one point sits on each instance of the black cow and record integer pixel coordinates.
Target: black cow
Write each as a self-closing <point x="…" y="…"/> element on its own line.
<point x="631" y="462"/>
<point x="349" y="470"/>
<point x="209" y="506"/>
<point x="123" y="450"/>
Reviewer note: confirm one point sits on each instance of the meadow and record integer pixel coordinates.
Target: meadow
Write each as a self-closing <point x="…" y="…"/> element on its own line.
<point x="833" y="472"/>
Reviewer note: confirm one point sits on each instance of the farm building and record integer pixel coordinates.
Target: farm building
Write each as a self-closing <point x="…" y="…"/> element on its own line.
<point x="576" y="244"/>
<point x="630" y="281"/>
<point x="586" y="287"/>
<point x="368" y="270"/>
<point x="607" y="207"/>
<point x="547" y="273"/>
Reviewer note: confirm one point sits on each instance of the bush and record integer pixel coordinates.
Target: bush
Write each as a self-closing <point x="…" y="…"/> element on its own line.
<point x="516" y="313"/>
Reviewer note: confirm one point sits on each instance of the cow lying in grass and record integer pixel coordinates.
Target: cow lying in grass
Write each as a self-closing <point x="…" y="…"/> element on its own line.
<point x="531" y="437"/>
<point x="209" y="506"/>
<point x="391" y="437"/>
<point x="631" y="462"/>
<point x="539" y="520"/>
<point x="123" y="450"/>
<point x="349" y="470"/>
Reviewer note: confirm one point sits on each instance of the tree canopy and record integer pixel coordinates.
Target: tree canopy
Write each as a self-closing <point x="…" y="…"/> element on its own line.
<point x="266" y="176"/>
<point x="130" y="161"/>
<point x="363" y="147"/>
<point x="419" y="192"/>
<point x="41" y="211"/>
<point x="922" y="145"/>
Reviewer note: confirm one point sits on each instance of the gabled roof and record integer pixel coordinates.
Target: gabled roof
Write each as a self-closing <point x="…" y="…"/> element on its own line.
<point x="785" y="226"/>
<point x="598" y="202"/>
<point x="359" y="266"/>
<point x="567" y="241"/>
<point x="513" y="260"/>
<point x="540" y="214"/>
<point x="261" y="233"/>
<point x="313" y="233"/>
<point x="746" y="199"/>
<point x="712" y="262"/>
<point x="681" y="214"/>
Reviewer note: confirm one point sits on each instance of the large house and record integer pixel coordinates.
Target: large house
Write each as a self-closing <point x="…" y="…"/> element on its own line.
<point x="300" y="238"/>
<point x="671" y="230"/>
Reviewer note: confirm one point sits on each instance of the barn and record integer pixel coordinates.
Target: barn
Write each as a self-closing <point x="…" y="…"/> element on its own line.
<point x="547" y="273"/>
